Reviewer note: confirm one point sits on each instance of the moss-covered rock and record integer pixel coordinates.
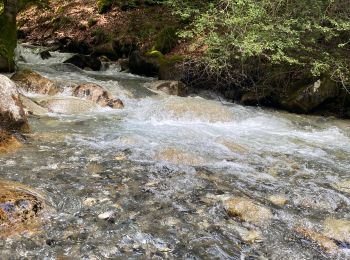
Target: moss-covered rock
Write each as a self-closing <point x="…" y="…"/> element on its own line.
<point x="166" y="39"/>
<point x="143" y="65"/>
<point x="8" y="42"/>
<point x="154" y="63"/>
<point x="305" y="98"/>
<point x="104" y="6"/>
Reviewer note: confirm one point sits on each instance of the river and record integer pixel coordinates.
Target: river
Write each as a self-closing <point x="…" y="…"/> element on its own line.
<point x="149" y="180"/>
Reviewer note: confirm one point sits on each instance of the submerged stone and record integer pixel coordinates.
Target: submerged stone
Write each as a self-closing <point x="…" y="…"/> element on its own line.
<point x="198" y="109"/>
<point x="8" y="143"/>
<point x="178" y="156"/>
<point x="322" y="241"/>
<point x="278" y="200"/>
<point x="19" y="206"/>
<point x="232" y="146"/>
<point x="337" y="229"/>
<point x="343" y="186"/>
<point x="68" y="105"/>
<point x="32" y="108"/>
<point x="169" y="87"/>
<point x="247" y="210"/>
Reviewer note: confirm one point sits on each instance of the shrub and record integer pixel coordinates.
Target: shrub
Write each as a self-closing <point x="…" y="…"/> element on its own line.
<point x="92" y="21"/>
<point x="166" y="39"/>
<point x="104" y="5"/>
<point x="303" y="35"/>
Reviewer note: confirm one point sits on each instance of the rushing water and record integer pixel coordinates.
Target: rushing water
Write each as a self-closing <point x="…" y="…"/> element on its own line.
<point x="147" y="181"/>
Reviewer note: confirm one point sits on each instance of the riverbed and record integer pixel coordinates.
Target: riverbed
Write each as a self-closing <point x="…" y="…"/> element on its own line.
<point x="149" y="180"/>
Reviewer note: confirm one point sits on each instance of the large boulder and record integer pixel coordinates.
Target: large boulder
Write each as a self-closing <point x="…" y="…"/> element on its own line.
<point x="97" y="94"/>
<point x="32" y="108"/>
<point x="170" y="87"/>
<point x="142" y="65"/>
<point x="85" y="61"/>
<point x="31" y="81"/>
<point x="68" y="105"/>
<point x="12" y="115"/>
<point x="106" y="49"/>
<point x="305" y="98"/>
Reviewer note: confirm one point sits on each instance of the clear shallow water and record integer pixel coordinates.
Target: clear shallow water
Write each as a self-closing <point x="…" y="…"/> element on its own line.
<point x="159" y="167"/>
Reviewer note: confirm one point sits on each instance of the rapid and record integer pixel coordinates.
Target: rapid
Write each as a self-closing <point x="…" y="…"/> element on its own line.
<point x="151" y="180"/>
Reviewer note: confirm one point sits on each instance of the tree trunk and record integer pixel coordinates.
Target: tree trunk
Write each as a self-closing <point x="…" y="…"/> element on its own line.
<point x="8" y="35"/>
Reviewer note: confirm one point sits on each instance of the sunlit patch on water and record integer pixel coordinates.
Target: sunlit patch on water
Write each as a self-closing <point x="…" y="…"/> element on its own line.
<point x="150" y="180"/>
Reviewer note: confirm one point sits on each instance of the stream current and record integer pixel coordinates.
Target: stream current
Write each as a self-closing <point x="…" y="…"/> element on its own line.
<point x="148" y="181"/>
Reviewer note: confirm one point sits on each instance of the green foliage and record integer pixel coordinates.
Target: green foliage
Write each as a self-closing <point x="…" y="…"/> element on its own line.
<point x="101" y="36"/>
<point x="166" y="39"/>
<point x="104" y="5"/>
<point x="92" y="21"/>
<point x="8" y="41"/>
<point x="311" y="35"/>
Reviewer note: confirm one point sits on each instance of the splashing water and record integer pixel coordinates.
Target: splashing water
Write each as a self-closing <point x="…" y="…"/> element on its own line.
<point x="150" y="180"/>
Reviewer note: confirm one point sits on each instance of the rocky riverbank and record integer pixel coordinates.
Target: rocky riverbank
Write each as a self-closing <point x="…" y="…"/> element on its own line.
<point x="130" y="34"/>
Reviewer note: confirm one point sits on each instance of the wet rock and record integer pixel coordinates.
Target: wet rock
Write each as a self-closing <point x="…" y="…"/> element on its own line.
<point x="106" y="215"/>
<point x="45" y="55"/>
<point x="317" y="200"/>
<point x="68" y="105"/>
<point x="31" y="81"/>
<point x="83" y="61"/>
<point x="97" y="94"/>
<point x="322" y="241"/>
<point x="247" y="210"/>
<point x="32" y="108"/>
<point x="256" y="99"/>
<point x="8" y="143"/>
<point x="19" y="205"/>
<point x="232" y="146"/>
<point x="247" y="235"/>
<point x="178" y="156"/>
<point x="107" y="50"/>
<point x="12" y="115"/>
<point x="197" y="109"/>
<point x="305" y="98"/>
<point x="94" y="168"/>
<point x="337" y="229"/>
<point x="278" y="200"/>
<point x="142" y="65"/>
<point x="124" y="64"/>
<point x="342" y="186"/>
<point x="89" y="202"/>
<point x="120" y="157"/>
<point x="72" y="45"/>
<point x="169" y="87"/>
